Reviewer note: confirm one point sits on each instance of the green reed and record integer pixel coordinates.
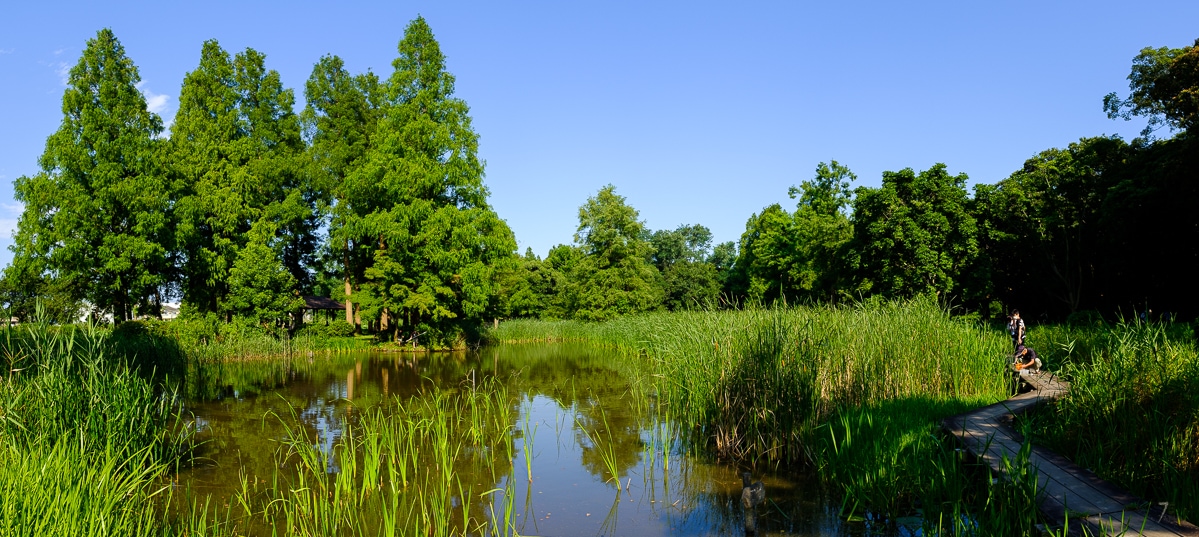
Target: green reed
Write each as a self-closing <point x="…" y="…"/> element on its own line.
<point x="527" y="437"/>
<point x="84" y="439"/>
<point x="402" y="469"/>
<point x="1132" y="413"/>
<point x="790" y="385"/>
<point x="604" y="445"/>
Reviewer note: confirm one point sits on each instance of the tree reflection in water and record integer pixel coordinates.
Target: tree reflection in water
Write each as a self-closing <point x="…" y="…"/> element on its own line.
<point x="585" y="403"/>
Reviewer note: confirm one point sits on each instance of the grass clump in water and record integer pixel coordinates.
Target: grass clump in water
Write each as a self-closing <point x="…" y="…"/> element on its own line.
<point x="411" y="469"/>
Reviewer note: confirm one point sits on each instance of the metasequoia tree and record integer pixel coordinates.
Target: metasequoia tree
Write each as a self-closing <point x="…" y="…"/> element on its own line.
<point x="95" y="217"/>
<point x="614" y="276"/>
<point x="235" y="156"/>
<point x="339" y="118"/>
<point x="419" y="201"/>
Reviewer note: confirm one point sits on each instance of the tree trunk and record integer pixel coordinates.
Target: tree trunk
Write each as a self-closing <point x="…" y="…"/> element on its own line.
<point x="346" y="268"/>
<point x="349" y="304"/>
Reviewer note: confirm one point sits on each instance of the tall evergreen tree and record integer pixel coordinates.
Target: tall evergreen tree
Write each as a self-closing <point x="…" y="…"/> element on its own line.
<point x="95" y="216"/>
<point x="340" y="116"/>
<point x="235" y="152"/>
<point x="419" y="199"/>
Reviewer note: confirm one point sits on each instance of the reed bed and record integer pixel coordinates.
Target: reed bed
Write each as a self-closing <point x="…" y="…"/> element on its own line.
<point x="83" y="438"/>
<point x="61" y="489"/>
<point x="1132" y="414"/>
<point x="855" y="392"/>
<point x="414" y="468"/>
<point x="756" y="383"/>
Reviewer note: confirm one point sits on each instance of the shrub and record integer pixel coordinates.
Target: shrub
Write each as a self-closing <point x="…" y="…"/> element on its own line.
<point x="339" y="328"/>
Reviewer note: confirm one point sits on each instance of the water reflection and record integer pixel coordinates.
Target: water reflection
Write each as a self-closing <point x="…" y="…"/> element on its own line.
<point x="592" y="455"/>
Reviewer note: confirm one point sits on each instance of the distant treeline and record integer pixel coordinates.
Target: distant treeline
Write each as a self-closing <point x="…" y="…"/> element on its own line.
<point x="1102" y="227"/>
<point x="373" y="194"/>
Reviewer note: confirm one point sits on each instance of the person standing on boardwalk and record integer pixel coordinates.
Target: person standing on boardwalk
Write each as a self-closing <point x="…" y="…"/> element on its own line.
<point x="1015" y="328"/>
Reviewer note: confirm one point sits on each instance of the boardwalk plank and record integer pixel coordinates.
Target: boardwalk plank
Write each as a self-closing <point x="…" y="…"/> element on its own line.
<point x="1067" y="492"/>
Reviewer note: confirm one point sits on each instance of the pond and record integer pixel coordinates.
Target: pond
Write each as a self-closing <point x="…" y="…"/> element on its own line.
<point x="577" y="413"/>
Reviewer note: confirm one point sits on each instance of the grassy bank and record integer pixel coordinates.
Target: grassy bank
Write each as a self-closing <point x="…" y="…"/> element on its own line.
<point x="83" y="438"/>
<point x="856" y="392"/>
<point x="1132" y="414"/>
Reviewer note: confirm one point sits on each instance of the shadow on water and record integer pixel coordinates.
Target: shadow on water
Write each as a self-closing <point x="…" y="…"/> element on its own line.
<point x="592" y="453"/>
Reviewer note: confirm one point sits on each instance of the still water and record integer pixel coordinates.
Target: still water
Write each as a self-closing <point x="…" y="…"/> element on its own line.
<point x="564" y="394"/>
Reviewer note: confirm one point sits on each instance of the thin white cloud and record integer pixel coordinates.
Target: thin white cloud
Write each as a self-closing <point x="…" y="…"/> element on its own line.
<point x="156" y="102"/>
<point x="4" y="51"/>
<point x="63" y="70"/>
<point x="10" y="213"/>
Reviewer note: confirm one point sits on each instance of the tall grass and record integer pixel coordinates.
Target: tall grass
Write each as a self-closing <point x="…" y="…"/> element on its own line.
<point x="857" y="392"/>
<point x="61" y="489"/>
<point x="408" y="470"/>
<point x="1132" y="413"/>
<point x="83" y="438"/>
<point x="756" y="383"/>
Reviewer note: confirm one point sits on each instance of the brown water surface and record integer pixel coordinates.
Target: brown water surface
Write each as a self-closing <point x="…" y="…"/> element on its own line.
<point x="565" y="394"/>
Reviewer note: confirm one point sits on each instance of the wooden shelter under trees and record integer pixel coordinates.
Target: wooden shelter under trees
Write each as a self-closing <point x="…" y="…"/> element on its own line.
<point x="315" y="304"/>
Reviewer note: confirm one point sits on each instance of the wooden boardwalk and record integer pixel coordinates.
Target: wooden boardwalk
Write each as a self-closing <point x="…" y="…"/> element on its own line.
<point x="1066" y="492"/>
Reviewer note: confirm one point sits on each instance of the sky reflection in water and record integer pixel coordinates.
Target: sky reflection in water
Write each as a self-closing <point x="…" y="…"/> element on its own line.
<point x="568" y="395"/>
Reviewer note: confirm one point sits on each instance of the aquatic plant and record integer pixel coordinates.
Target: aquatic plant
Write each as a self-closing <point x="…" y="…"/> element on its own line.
<point x="1132" y="413"/>
<point x="83" y="438"/>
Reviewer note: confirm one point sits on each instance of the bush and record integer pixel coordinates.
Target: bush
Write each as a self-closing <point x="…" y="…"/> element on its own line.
<point x="335" y="329"/>
<point x="339" y="328"/>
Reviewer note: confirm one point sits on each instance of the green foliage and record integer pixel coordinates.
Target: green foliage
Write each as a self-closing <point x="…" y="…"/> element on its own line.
<point x="1165" y="89"/>
<point x="419" y="201"/>
<point x="26" y="285"/>
<point x="340" y="117"/>
<point x="260" y="287"/>
<point x="1041" y="226"/>
<point x="798" y="256"/>
<point x="527" y="286"/>
<point x="690" y="284"/>
<point x="340" y="328"/>
<point x="95" y="216"/>
<point x="683" y="257"/>
<point x="235" y="148"/>
<point x="1132" y="413"/>
<point x="614" y="276"/>
<point x="915" y="234"/>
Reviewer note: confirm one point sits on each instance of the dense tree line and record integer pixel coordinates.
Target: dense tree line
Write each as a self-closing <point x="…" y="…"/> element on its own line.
<point x="1102" y="226"/>
<point x="373" y="194"/>
<point x="246" y="205"/>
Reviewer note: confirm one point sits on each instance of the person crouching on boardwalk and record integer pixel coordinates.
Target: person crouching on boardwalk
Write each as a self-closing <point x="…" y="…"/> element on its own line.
<point x="1026" y="358"/>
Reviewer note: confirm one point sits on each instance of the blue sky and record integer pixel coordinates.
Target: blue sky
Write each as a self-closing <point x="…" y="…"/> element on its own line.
<point x="698" y="112"/>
